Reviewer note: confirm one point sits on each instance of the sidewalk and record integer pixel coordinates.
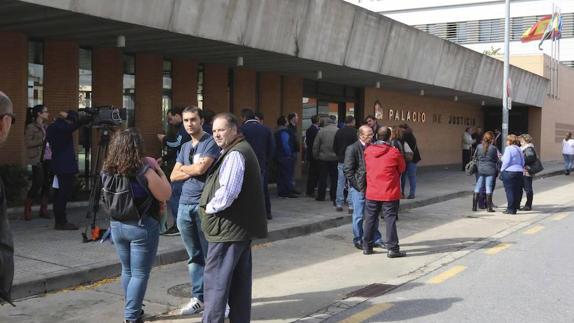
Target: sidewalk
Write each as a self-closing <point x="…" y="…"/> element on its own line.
<point x="48" y="260"/>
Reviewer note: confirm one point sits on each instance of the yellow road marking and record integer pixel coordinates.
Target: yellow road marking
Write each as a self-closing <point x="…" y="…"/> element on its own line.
<point x="559" y="217"/>
<point x="367" y="313"/>
<point x="446" y="275"/>
<point x="534" y="229"/>
<point x="498" y="248"/>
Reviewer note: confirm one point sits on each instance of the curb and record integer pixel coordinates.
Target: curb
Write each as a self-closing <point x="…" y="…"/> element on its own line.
<point x="89" y="274"/>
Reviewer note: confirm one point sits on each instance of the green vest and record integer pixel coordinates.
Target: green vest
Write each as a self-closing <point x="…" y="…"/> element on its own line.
<point x="245" y="219"/>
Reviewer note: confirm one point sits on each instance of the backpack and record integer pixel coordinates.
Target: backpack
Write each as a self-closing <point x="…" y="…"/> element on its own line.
<point x="118" y="196"/>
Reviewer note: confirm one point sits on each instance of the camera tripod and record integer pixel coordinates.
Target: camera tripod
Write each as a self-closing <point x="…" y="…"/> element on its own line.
<point x="93" y="232"/>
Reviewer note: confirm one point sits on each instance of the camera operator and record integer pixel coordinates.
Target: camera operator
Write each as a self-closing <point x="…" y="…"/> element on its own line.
<point x="64" y="164"/>
<point x="175" y="138"/>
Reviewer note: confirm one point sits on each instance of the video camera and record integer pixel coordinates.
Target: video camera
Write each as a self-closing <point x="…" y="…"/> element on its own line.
<point x="104" y="116"/>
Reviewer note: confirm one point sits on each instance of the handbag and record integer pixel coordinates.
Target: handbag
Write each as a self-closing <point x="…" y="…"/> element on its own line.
<point x="535" y="168"/>
<point x="409" y="153"/>
<point x="471" y="167"/>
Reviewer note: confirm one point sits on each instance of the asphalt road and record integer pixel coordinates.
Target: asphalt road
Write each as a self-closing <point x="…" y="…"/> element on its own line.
<point x="451" y="274"/>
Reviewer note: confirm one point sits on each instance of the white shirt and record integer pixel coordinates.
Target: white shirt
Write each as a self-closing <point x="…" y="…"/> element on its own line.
<point x="230" y="183"/>
<point x="568" y="147"/>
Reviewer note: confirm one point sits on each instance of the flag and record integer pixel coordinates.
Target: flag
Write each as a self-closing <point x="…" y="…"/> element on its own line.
<point x="553" y="29"/>
<point x="537" y="30"/>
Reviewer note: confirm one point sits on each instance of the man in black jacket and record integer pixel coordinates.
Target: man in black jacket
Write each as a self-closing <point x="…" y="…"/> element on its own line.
<point x="7" y="119"/>
<point x="355" y="172"/>
<point x="313" y="164"/>
<point x="344" y="137"/>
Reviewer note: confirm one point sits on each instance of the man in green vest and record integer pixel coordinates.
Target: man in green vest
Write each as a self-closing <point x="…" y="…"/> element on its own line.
<point x="232" y="211"/>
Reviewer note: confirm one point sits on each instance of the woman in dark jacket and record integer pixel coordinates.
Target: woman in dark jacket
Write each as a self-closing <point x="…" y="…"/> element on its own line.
<point x="486" y="157"/>
<point x="530" y="157"/>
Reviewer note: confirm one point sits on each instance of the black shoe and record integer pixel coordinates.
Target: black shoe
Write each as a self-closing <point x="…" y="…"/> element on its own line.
<point x="367" y="251"/>
<point x="410" y="197"/>
<point x="358" y="245"/>
<point x="269" y="216"/>
<point x="339" y="209"/>
<point x="319" y="200"/>
<point x="380" y="245"/>
<point x="507" y="211"/>
<point x="65" y="226"/>
<point x="350" y="211"/>
<point x="310" y="195"/>
<point x="396" y="254"/>
<point x="295" y="192"/>
<point x="474" y="201"/>
<point x="171" y="232"/>
<point x="526" y="208"/>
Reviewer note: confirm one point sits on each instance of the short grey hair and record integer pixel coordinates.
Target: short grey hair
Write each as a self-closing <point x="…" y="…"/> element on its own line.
<point x="5" y="103"/>
<point x="232" y="121"/>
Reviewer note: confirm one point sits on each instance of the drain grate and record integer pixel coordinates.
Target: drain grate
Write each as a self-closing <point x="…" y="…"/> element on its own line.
<point x="372" y="290"/>
<point x="182" y="290"/>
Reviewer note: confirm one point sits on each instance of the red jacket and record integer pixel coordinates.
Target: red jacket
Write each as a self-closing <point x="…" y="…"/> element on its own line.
<point x="384" y="164"/>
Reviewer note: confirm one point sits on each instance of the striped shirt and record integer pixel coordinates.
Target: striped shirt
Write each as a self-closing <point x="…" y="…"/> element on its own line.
<point x="230" y="182"/>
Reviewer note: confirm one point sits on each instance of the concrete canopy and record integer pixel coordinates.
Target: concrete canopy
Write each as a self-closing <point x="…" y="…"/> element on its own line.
<point x="350" y="45"/>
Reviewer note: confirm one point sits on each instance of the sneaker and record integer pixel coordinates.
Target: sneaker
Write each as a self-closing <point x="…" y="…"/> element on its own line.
<point x="193" y="307"/>
<point x="173" y="231"/>
<point x="339" y="209"/>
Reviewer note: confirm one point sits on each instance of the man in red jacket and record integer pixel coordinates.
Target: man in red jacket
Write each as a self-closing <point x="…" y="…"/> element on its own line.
<point x="384" y="167"/>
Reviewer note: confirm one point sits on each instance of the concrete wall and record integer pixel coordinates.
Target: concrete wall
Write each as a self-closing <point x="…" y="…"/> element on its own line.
<point x="557" y="113"/>
<point x="439" y="135"/>
<point x="332" y="32"/>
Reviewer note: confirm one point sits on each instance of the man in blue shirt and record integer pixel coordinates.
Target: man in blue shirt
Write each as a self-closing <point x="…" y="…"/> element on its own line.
<point x="193" y="162"/>
<point x="176" y="137"/>
<point x="261" y="140"/>
<point x="286" y="155"/>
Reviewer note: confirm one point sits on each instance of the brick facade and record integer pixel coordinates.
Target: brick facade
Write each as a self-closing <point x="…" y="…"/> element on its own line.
<point x="244" y="90"/>
<point x="13" y="82"/>
<point x="184" y="82"/>
<point x="270" y="97"/>
<point x="148" y="113"/>
<point x="61" y="75"/>
<point x="107" y="77"/>
<point x="216" y="88"/>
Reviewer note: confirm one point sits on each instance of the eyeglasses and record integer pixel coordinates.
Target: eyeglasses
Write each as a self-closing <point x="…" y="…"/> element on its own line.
<point x="11" y="115"/>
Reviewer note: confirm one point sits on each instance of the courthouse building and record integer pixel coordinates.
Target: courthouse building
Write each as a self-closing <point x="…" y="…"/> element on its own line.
<point x="276" y="56"/>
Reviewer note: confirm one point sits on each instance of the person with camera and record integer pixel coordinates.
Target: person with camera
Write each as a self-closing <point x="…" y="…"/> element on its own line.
<point x="7" y="119"/>
<point x="39" y="157"/>
<point x="64" y="164"/>
<point x="176" y="137"/>
<point x="135" y="229"/>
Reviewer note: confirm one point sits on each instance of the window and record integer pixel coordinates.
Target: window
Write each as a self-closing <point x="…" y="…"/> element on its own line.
<point x="85" y="90"/>
<point x="491" y="30"/>
<point x="129" y="88"/>
<point x="166" y="99"/>
<point x="35" y="73"/>
<point x="200" y="69"/>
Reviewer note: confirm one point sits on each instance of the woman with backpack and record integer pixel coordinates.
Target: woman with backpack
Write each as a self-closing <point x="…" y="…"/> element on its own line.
<point x="486" y="157"/>
<point x="531" y="166"/>
<point x="134" y="216"/>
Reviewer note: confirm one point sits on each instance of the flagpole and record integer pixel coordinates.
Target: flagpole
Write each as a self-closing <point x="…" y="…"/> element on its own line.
<point x="506" y="72"/>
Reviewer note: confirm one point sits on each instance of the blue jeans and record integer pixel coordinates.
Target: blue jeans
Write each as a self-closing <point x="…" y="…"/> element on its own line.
<point x="480" y="182"/>
<point x="341" y="182"/>
<point x="513" y="183"/>
<point x="411" y="174"/>
<point x="358" y="213"/>
<point x="568" y="162"/>
<point x="189" y="225"/>
<point x="136" y="246"/>
<point x="174" y="199"/>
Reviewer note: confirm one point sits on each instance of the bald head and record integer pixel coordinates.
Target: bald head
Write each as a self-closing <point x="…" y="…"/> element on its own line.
<point x="384" y="133"/>
<point x="6" y="116"/>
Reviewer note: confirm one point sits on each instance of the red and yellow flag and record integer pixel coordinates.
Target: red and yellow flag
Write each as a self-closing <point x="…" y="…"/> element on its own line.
<point x="537" y="30"/>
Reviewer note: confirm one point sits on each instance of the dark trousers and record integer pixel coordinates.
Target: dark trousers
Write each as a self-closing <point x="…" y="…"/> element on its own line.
<point x="62" y="196"/>
<point x="41" y="180"/>
<point x="513" y="182"/>
<point x="370" y="222"/>
<point x="266" y="190"/>
<point x="285" y="175"/>
<point x="327" y="169"/>
<point x="312" y="176"/>
<point x="528" y="185"/>
<point x="465" y="157"/>
<point x="228" y="276"/>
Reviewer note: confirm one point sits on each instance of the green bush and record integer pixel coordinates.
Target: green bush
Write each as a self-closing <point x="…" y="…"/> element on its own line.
<point x="15" y="181"/>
